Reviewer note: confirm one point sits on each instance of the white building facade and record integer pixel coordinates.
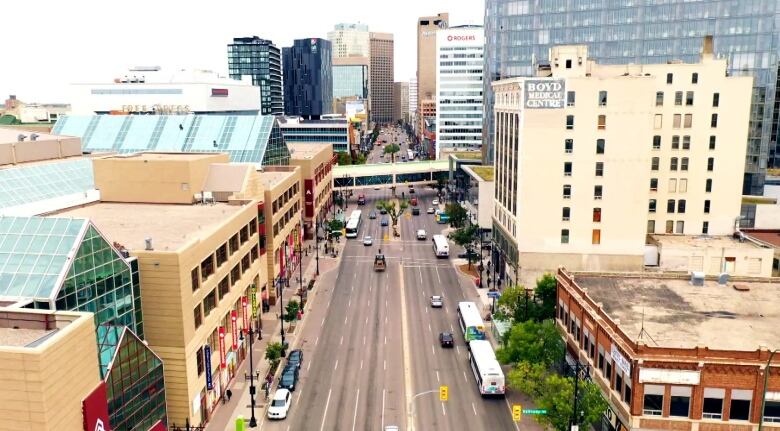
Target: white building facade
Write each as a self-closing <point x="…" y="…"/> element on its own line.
<point x="459" y="89"/>
<point x="350" y="40"/>
<point x="150" y="90"/>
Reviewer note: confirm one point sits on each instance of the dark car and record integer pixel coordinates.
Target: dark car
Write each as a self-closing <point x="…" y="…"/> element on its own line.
<point x="295" y="358"/>
<point x="415" y="211"/>
<point x="469" y="255"/>
<point x="289" y="378"/>
<point x="384" y="221"/>
<point x="446" y="340"/>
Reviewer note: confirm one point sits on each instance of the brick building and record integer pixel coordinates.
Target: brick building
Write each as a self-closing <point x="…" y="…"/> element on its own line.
<point x="671" y="355"/>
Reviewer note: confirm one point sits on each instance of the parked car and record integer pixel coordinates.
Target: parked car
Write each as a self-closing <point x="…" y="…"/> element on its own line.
<point x="367" y="240"/>
<point x="280" y="404"/>
<point x="436" y="301"/>
<point x="435" y="202"/>
<point x="471" y="254"/>
<point x="289" y="377"/>
<point x="446" y="339"/>
<point x="384" y="221"/>
<point x="295" y="358"/>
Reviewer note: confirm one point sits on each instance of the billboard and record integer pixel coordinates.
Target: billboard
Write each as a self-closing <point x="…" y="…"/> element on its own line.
<point x="308" y="187"/>
<point x="207" y="360"/>
<point x="353" y="108"/>
<point x="95" y="409"/>
<point x="544" y="94"/>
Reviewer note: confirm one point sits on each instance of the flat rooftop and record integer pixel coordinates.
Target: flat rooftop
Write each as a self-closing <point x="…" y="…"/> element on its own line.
<point x="163" y="156"/>
<point x="703" y="241"/>
<point x="484" y="172"/>
<point x="670" y="312"/>
<point x="11" y="135"/>
<point x="22" y="337"/>
<point x="272" y="178"/>
<point x="170" y="226"/>
<point x="769" y="236"/>
<point x="300" y="151"/>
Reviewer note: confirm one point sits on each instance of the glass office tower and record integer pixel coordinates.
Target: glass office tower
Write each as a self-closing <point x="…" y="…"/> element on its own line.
<point x="519" y="33"/>
<point x="350" y="80"/>
<point x="308" y="78"/>
<point x="262" y="60"/>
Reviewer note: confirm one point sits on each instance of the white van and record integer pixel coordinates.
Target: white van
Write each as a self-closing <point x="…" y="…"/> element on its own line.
<point x="421" y="234"/>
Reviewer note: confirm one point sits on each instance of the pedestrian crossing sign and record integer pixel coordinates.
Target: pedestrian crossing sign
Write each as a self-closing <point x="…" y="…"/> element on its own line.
<point x="443" y="393"/>
<point x="517" y="412"/>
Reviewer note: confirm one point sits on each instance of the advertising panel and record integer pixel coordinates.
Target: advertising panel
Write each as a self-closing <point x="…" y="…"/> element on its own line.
<point x="544" y="93"/>
<point x="222" y="353"/>
<point x="234" y="319"/>
<point x="244" y="306"/>
<point x="354" y="108"/>
<point x="207" y="360"/>
<point x="95" y="409"/>
<point x="308" y="187"/>
<point x="254" y="302"/>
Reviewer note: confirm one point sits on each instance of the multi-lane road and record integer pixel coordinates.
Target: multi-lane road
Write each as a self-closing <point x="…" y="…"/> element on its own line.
<point x="393" y="135"/>
<point x="371" y="341"/>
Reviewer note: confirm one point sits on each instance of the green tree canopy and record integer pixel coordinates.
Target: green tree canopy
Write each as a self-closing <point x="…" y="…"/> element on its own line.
<point x="273" y="353"/>
<point x="393" y="211"/>
<point x="545" y="294"/>
<point x="392" y="149"/>
<point x="440" y="183"/>
<point x="456" y="213"/>
<point x="344" y="158"/>
<point x="465" y="237"/>
<point x="291" y="311"/>
<point x="515" y="305"/>
<point x="532" y="342"/>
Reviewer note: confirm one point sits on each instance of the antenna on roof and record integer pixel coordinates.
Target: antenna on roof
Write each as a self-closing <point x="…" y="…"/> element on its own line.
<point x="642" y="331"/>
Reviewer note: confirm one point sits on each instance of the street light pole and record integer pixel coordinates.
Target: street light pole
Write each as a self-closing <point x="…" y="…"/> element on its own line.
<point x="251" y="377"/>
<point x="317" y="244"/>
<point x="763" y="394"/>
<point x="281" y="303"/>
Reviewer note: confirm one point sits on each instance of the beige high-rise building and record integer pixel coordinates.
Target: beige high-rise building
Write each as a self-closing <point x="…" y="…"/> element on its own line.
<point x="400" y="101"/>
<point x="592" y="158"/>
<point x="426" y="63"/>
<point x="381" y="77"/>
<point x="349" y="40"/>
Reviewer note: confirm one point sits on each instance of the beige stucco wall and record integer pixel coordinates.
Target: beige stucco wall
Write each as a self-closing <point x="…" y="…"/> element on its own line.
<point x="42" y="149"/>
<point x="749" y="261"/>
<point x="308" y="166"/>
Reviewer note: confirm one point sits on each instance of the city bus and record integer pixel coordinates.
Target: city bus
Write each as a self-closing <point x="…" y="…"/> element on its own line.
<point x="487" y="371"/>
<point x="440" y="246"/>
<point x="353" y="224"/>
<point x="442" y="217"/>
<point x="470" y="321"/>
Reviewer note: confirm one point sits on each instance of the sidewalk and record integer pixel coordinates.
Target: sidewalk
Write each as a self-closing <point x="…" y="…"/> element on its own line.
<point x="224" y="416"/>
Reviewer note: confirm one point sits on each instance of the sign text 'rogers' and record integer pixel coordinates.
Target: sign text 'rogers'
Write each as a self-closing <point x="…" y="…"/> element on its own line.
<point x="545" y="94"/>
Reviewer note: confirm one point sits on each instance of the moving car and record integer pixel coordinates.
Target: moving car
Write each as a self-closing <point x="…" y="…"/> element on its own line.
<point x="431" y="210"/>
<point x="280" y="404"/>
<point x="421" y="234"/>
<point x="372" y="214"/>
<point x="446" y="339"/>
<point x="413" y="201"/>
<point x="367" y="240"/>
<point x="415" y="211"/>
<point x="361" y="199"/>
<point x="382" y="211"/>
<point x="295" y="358"/>
<point x="289" y="377"/>
<point x="376" y="188"/>
<point x="384" y="221"/>
<point x="379" y="262"/>
<point x="471" y="254"/>
<point x="436" y="301"/>
<point x="435" y="202"/>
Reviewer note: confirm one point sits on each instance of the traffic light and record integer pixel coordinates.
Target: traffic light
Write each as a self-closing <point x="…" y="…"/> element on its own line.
<point x="517" y="412"/>
<point x="443" y="393"/>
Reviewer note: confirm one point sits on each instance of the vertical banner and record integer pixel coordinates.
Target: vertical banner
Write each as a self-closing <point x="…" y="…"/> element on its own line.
<point x="94" y="409"/>
<point x="207" y="360"/>
<point x="254" y="302"/>
<point x="234" y="319"/>
<point x="244" y="304"/>
<point x="308" y="187"/>
<point x="222" y="352"/>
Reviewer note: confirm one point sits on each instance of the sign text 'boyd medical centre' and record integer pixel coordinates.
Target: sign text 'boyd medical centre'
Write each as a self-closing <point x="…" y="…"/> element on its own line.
<point x="544" y="93"/>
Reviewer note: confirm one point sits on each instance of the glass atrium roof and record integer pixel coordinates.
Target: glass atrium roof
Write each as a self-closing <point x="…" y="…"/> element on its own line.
<point x="245" y="137"/>
<point x="34" y="254"/>
<point x="33" y="183"/>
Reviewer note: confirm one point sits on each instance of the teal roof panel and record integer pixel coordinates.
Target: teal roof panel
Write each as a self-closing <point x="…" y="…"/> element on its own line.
<point x="32" y="183"/>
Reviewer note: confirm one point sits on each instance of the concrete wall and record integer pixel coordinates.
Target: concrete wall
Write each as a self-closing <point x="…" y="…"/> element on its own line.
<point x="43" y="149"/>
<point x="275" y="240"/>
<point x="754" y="262"/>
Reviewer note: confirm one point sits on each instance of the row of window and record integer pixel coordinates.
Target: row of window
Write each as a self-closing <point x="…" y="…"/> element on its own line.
<point x="683" y="185"/>
<point x="677" y="227"/>
<point x="208" y="267"/>
<point x="213" y="339"/>
<point x="288" y="194"/>
<point x="682" y="120"/>
<point x="289" y="215"/>
<point x="568" y="167"/>
<point x="659" y="98"/>
<point x="683" y="163"/>
<point x="595" y="238"/>
<point x="597" y="191"/>
<point x="566" y="214"/>
<point x="600" y="125"/>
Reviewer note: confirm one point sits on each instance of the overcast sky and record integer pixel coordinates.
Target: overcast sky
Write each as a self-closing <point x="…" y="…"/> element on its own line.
<point x="51" y="43"/>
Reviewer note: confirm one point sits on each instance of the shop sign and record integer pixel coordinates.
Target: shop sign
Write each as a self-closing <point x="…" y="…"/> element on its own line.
<point x="672" y="377"/>
<point x="254" y="302"/>
<point x="207" y="360"/>
<point x="95" y="409"/>
<point x="620" y="360"/>
<point x="219" y="92"/>
<point x="234" y="319"/>
<point x="544" y="93"/>
<point x="308" y="186"/>
<point x="222" y="363"/>
<point x="244" y="305"/>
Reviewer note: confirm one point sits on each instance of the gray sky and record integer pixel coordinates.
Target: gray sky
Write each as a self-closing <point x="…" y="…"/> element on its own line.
<point x="52" y="43"/>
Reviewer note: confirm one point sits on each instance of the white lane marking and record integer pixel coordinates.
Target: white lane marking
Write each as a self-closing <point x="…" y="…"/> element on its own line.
<point x="458" y="349"/>
<point x="517" y="427"/>
<point x="429" y="327"/>
<point x="316" y="341"/>
<point x="426" y="310"/>
<point x="451" y="328"/>
<point x="385" y="303"/>
<point x="337" y="365"/>
<point x="384" y="362"/>
<point x="437" y="273"/>
<point x="465" y="378"/>
<point x="364" y="340"/>
<point x="288" y="427"/>
<point x="325" y="414"/>
<point x="353" y="288"/>
<point x="420" y="275"/>
<point x="349" y="303"/>
<point x="308" y="366"/>
<point x="354" y="416"/>
<point x="383" y="407"/>
<point x="443" y="412"/>
<point x="342" y="340"/>
<point x="354" y="275"/>
<point x="433" y="349"/>
<point x="369" y="304"/>
<point x="345" y="320"/>
<point x="385" y="339"/>
<point x="366" y="320"/>
<point x="299" y="396"/>
<point x="385" y="319"/>
<point x="361" y="364"/>
<point x="474" y="408"/>
<point x="437" y="376"/>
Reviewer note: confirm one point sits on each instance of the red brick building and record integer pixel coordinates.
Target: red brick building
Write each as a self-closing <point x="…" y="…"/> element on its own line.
<point x="674" y="356"/>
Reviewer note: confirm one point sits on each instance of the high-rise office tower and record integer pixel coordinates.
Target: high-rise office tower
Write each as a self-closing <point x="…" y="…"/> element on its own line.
<point x="426" y="69"/>
<point x="350" y="40"/>
<point x="350" y="81"/>
<point x="412" y="96"/>
<point x="381" y="79"/>
<point x="745" y="33"/>
<point x="260" y="59"/>
<point x="459" y="89"/>
<point x="308" y="78"/>
<point x="400" y="101"/>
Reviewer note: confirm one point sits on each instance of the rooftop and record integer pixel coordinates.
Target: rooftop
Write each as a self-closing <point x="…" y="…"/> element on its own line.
<point x="466" y="154"/>
<point x="272" y="178"/>
<point x="769" y="236"/>
<point x="148" y="155"/>
<point x="669" y="312"/>
<point x="703" y="241"/>
<point x="484" y="172"/>
<point x="22" y="337"/>
<point x="169" y="226"/>
<point x="306" y="151"/>
<point x="11" y="135"/>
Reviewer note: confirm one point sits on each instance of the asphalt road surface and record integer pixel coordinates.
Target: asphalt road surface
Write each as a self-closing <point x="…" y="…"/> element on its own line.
<point x="393" y="135"/>
<point x="356" y="375"/>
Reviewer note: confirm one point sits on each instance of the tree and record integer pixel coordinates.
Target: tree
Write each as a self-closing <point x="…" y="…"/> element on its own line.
<point x="533" y="342"/>
<point x="456" y="213"/>
<point x="344" y="158"/>
<point x="273" y="353"/>
<point x="545" y="293"/>
<point x="375" y="134"/>
<point x="392" y="149"/>
<point x="394" y="213"/>
<point x="465" y="237"/>
<point x="515" y="305"/>
<point x="291" y="310"/>
<point x="440" y="183"/>
<point x="360" y="159"/>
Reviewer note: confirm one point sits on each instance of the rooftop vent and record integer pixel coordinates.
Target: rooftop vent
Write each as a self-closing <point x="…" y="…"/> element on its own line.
<point x="723" y="278"/>
<point x="21" y="137"/>
<point x="697" y="278"/>
<point x="148" y="242"/>
<point x="34" y="137"/>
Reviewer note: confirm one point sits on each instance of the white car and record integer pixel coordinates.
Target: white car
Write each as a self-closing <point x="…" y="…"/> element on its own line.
<point x="280" y="404"/>
<point x="435" y="202"/>
<point x="376" y="188"/>
<point x="431" y="210"/>
<point x="436" y="301"/>
<point x="367" y="240"/>
<point x="421" y="234"/>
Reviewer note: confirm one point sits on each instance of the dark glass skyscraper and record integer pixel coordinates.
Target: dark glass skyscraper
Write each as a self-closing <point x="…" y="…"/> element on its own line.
<point x="308" y="78"/>
<point x="260" y="59"/>
<point x="518" y="35"/>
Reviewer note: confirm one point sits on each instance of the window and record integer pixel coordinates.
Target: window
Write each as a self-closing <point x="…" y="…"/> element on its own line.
<point x="684" y="164"/>
<point x="669" y="226"/>
<point x="654" y="400"/>
<point x="210" y="302"/>
<point x="672" y="185"/>
<point x="596" y="237"/>
<point x="772" y="411"/>
<point x="653" y="184"/>
<point x="233" y="243"/>
<point x="683" y="185"/>
<point x="627" y="392"/>
<point x="602" y="122"/>
<point x="710" y="163"/>
<point x="705" y="228"/>
<point x="564" y="236"/>
<point x="199" y="360"/>
<point x="658" y="121"/>
<point x="245" y="262"/>
<point x="235" y="274"/>
<point x="198" y="316"/>
<point x="597" y="215"/>
<point x="654" y="163"/>
<point x="715" y="100"/>
<point x="675" y="142"/>
<point x="602" y="98"/>
<point x="659" y="98"/>
<point x="567" y="191"/>
<point x="207" y="267"/>
<point x="708" y="185"/>
<point x="652" y="206"/>
<point x="673" y="164"/>
<point x="569" y="122"/>
<point x="224" y="287"/>
<point x="599" y="169"/>
<point x="686" y="142"/>
<point x="597" y="192"/>
<point x="712" y="142"/>
<point x="618" y="381"/>
<point x="568" y="145"/>
<point x="570" y="98"/>
<point x="651" y="226"/>
<point x="601" y="358"/>
<point x="694" y="78"/>
<point x="676" y="121"/>
<point x="688" y="121"/>
<point x="681" y="206"/>
<point x="689" y="98"/>
<point x="680" y="404"/>
<point x="739" y="408"/>
<point x="669" y="78"/>
<point x="195" y="279"/>
<point x="253" y="227"/>
<point x="656" y="142"/>
<point x="567" y="169"/>
<point x="568" y="64"/>
<point x="222" y="254"/>
<point x="566" y="214"/>
<point x="714" y="120"/>
<point x="670" y="204"/>
<point x="600" y="146"/>
<point x="678" y="97"/>
<point x="680" y="227"/>
<point x="706" y="206"/>
<point x="244" y="234"/>
<point x="712" y="407"/>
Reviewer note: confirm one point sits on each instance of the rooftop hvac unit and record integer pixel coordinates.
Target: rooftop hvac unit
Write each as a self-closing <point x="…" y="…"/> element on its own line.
<point x="21" y="137"/>
<point x="723" y="278"/>
<point x="697" y="278"/>
<point x="34" y="137"/>
<point x="148" y="242"/>
<point x="208" y="197"/>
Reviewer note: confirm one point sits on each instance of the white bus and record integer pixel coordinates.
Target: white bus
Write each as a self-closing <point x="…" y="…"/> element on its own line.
<point x="486" y="369"/>
<point x="440" y="246"/>
<point x="470" y="321"/>
<point x="353" y="224"/>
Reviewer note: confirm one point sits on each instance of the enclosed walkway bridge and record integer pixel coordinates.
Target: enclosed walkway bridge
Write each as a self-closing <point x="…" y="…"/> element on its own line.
<point x="390" y="174"/>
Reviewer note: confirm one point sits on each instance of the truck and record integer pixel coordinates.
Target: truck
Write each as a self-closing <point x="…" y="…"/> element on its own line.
<point x="361" y="199"/>
<point x="379" y="262"/>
